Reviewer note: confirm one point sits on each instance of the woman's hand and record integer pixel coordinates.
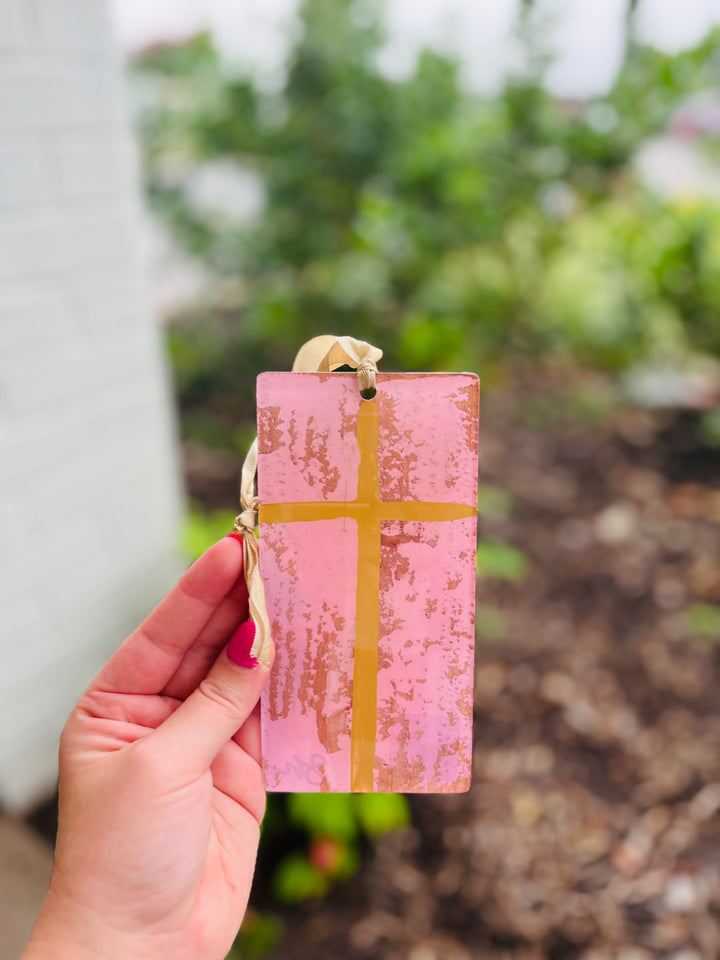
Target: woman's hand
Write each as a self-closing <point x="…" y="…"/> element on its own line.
<point x="161" y="788"/>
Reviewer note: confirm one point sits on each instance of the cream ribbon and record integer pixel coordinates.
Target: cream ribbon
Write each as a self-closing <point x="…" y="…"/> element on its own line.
<point x="245" y="525"/>
<point x="317" y="355"/>
<point x="328" y="353"/>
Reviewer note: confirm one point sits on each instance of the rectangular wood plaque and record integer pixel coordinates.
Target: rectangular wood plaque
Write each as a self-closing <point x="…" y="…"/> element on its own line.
<point x="367" y="525"/>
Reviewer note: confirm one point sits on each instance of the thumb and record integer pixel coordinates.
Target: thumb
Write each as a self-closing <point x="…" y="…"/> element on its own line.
<point x="202" y="725"/>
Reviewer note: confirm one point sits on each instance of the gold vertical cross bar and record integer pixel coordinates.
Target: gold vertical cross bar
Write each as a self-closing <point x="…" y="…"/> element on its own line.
<point x="368" y="511"/>
<point x="367" y="616"/>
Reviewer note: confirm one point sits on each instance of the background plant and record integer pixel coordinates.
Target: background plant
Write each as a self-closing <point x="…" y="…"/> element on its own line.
<point x="454" y="229"/>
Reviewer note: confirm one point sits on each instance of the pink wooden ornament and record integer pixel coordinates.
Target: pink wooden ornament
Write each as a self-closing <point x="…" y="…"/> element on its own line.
<point x="367" y="554"/>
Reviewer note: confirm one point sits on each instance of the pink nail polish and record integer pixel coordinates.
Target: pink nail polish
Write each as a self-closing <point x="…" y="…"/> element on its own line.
<point x="241" y="642"/>
<point x="234" y="534"/>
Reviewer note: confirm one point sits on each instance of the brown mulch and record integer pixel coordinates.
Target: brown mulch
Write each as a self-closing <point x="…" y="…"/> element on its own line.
<point x="592" y="829"/>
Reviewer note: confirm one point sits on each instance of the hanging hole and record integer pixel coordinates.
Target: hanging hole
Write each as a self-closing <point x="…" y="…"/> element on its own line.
<point x="368" y="393"/>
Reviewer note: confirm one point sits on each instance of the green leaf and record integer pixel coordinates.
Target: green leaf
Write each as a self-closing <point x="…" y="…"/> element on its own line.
<point x="258" y="935"/>
<point x="349" y="862"/>
<point x="329" y="814"/>
<point x="297" y="879"/>
<point x="380" y="812"/>
<point x="703" y="620"/>
<point x="497" y="559"/>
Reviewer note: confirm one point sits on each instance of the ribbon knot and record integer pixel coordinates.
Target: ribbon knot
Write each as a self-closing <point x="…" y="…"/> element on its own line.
<point x="246" y="521"/>
<point x="366" y="371"/>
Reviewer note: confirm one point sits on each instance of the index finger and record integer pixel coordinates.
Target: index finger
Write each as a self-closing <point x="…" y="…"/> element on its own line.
<point x="149" y="657"/>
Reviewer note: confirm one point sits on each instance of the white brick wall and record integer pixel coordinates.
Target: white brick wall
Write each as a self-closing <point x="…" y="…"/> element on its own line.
<point x="89" y="497"/>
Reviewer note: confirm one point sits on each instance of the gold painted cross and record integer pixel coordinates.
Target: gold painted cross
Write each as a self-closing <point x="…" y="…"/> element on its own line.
<point x="368" y="510"/>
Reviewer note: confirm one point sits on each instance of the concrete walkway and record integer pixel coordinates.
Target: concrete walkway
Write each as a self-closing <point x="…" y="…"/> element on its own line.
<point x="25" y="864"/>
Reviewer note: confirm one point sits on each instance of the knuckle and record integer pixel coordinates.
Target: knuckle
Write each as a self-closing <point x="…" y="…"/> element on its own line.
<point x="219" y="696"/>
<point x="94" y="704"/>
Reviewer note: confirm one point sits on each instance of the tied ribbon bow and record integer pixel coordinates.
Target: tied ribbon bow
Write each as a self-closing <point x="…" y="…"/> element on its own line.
<point x="321" y="354"/>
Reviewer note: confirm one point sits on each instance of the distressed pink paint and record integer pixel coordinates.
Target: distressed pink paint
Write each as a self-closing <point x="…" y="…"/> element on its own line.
<point x="309" y="574"/>
<point x="427" y="451"/>
<point x="425" y="662"/>
<point x="305" y="452"/>
<point x="428" y="437"/>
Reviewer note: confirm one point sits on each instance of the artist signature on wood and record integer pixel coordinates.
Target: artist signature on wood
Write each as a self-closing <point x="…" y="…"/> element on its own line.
<point x="311" y="771"/>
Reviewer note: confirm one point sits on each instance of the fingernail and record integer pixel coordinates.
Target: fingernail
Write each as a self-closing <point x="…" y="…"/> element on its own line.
<point x="234" y="534"/>
<point x="240" y="645"/>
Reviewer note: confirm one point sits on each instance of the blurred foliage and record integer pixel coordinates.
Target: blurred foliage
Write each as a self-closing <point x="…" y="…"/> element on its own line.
<point x="703" y="620"/>
<point x="335" y="825"/>
<point x="344" y="816"/>
<point x="202" y="529"/>
<point x="497" y="559"/>
<point x="491" y="623"/>
<point x="258" y="934"/>
<point x="452" y="229"/>
<point x="709" y="428"/>
<point x="494" y="502"/>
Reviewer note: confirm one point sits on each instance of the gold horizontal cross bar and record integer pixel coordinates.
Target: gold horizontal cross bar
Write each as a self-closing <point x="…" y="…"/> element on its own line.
<point x="368" y="511"/>
<point x="357" y="510"/>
